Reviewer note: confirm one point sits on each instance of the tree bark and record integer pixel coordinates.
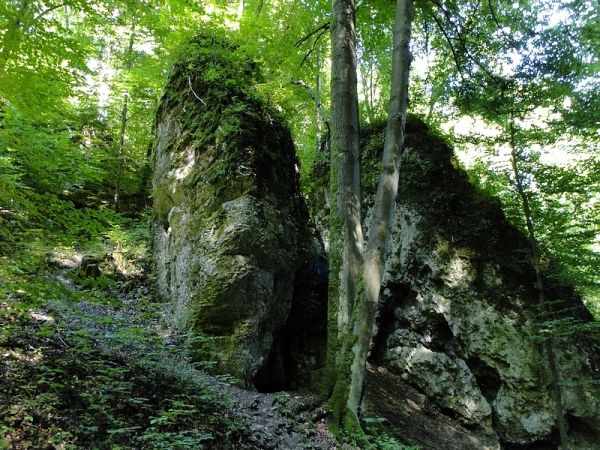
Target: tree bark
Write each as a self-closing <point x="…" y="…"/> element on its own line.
<point x="349" y="387"/>
<point x="548" y="344"/>
<point x="346" y="242"/>
<point x="121" y="152"/>
<point x="385" y="200"/>
<point x="121" y="149"/>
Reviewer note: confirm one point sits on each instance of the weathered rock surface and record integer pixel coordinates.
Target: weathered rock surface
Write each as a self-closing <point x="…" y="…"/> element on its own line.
<point x="232" y="243"/>
<point x="459" y="308"/>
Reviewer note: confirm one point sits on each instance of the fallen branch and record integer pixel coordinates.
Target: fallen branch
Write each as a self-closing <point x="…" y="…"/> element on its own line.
<point x="192" y="89"/>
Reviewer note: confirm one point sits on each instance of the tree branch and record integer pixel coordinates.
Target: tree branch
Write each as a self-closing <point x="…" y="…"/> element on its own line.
<point x="312" y="49"/>
<point x="52" y="8"/>
<point x="302" y="40"/>
<point x="315" y="99"/>
<point x="454" y="54"/>
<point x="192" y="89"/>
<point x="463" y="43"/>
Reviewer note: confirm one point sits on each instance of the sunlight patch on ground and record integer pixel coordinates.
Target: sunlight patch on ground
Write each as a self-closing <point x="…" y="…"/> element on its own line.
<point x="34" y="357"/>
<point x="39" y="317"/>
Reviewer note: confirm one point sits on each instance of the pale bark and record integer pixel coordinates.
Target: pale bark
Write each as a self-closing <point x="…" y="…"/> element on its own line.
<point x="548" y="341"/>
<point x="121" y="151"/>
<point x="320" y="116"/>
<point x="385" y="200"/>
<point x="357" y="334"/>
<point x="367" y="84"/>
<point x="122" y="133"/>
<point x="347" y="239"/>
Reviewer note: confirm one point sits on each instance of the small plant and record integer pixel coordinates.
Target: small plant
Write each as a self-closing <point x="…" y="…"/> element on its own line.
<point x="377" y="436"/>
<point x="281" y="404"/>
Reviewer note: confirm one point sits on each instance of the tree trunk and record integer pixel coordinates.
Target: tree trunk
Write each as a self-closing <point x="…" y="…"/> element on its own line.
<point x="367" y="84"/>
<point x="318" y="89"/>
<point x="121" y="150"/>
<point x="385" y="200"/>
<point x="346" y="239"/>
<point x="351" y="373"/>
<point x="548" y="344"/>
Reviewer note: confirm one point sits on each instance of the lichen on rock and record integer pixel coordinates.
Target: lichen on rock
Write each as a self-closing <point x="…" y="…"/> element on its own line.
<point x="232" y="238"/>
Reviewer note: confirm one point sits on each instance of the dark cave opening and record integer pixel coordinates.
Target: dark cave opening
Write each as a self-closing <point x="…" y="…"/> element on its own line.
<point x="297" y="355"/>
<point x="488" y="379"/>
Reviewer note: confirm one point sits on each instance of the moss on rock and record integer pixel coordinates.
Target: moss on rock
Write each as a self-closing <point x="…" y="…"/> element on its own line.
<point x="232" y="230"/>
<point x="459" y="316"/>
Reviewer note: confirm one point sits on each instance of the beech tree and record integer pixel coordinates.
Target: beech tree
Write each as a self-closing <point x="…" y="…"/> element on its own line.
<point x="354" y="296"/>
<point x="346" y="243"/>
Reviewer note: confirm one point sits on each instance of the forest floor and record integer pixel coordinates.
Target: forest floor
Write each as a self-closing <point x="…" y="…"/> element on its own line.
<point x="94" y="364"/>
<point x="414" y="416"/>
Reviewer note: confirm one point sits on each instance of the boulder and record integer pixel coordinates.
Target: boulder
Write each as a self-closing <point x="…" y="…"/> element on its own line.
<point x="232" y="240"/>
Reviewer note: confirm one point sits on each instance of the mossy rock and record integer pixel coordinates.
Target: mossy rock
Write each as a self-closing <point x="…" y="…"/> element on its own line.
<point x="232" y="232"/>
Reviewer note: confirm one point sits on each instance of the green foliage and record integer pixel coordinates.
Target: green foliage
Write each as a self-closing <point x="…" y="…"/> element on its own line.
<point x="238" y="139"/>
<point x="432" y="179"/>
<point x="377" y="436"/>
<point x="562" y="200"/>
<point x="92" y="398"/>
<point x="74" y="377"/>
<point x="65" y="67"/>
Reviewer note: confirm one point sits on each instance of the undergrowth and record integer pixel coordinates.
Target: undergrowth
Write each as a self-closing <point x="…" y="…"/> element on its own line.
<point x="377" y="436"/>
<point x="89" y="363"/>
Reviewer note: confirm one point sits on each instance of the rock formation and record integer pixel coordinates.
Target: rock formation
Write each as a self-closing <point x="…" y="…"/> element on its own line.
<point x="459" y="315"/>
<point x="243" y="271"/>
<point x="234" y="252"/>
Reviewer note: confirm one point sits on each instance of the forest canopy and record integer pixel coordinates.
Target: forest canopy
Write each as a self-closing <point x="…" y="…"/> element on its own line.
<point x="80" y="83"/>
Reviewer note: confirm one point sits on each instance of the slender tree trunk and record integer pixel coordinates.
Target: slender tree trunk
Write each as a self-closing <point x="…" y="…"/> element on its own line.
<point x="346" y="242"/>
<point x="240" y="11"/>
<point x="121" y="150"/>
<point x="367" y="80"/>
<point x="348" y="390"/>
<point x="548" y="344"/>
<point x="385" y="200"/>
<point x="319" y="82"/>
<point x="259" y="7"/>
<point x="67" y="17"/>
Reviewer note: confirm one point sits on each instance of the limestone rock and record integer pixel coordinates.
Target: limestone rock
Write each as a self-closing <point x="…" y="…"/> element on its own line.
<point x="232" y="240"/>
<point x="459" y="308"/>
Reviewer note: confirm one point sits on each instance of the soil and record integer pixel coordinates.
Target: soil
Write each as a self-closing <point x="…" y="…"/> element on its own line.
<point x="277" y="421"/>
<point x="409" y="411"/>
<point x="284" y="421"/>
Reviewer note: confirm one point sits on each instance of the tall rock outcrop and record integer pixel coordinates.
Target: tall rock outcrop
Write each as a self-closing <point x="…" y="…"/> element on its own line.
<point x="459" y="316"/>
<point x="233" y="248"/>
